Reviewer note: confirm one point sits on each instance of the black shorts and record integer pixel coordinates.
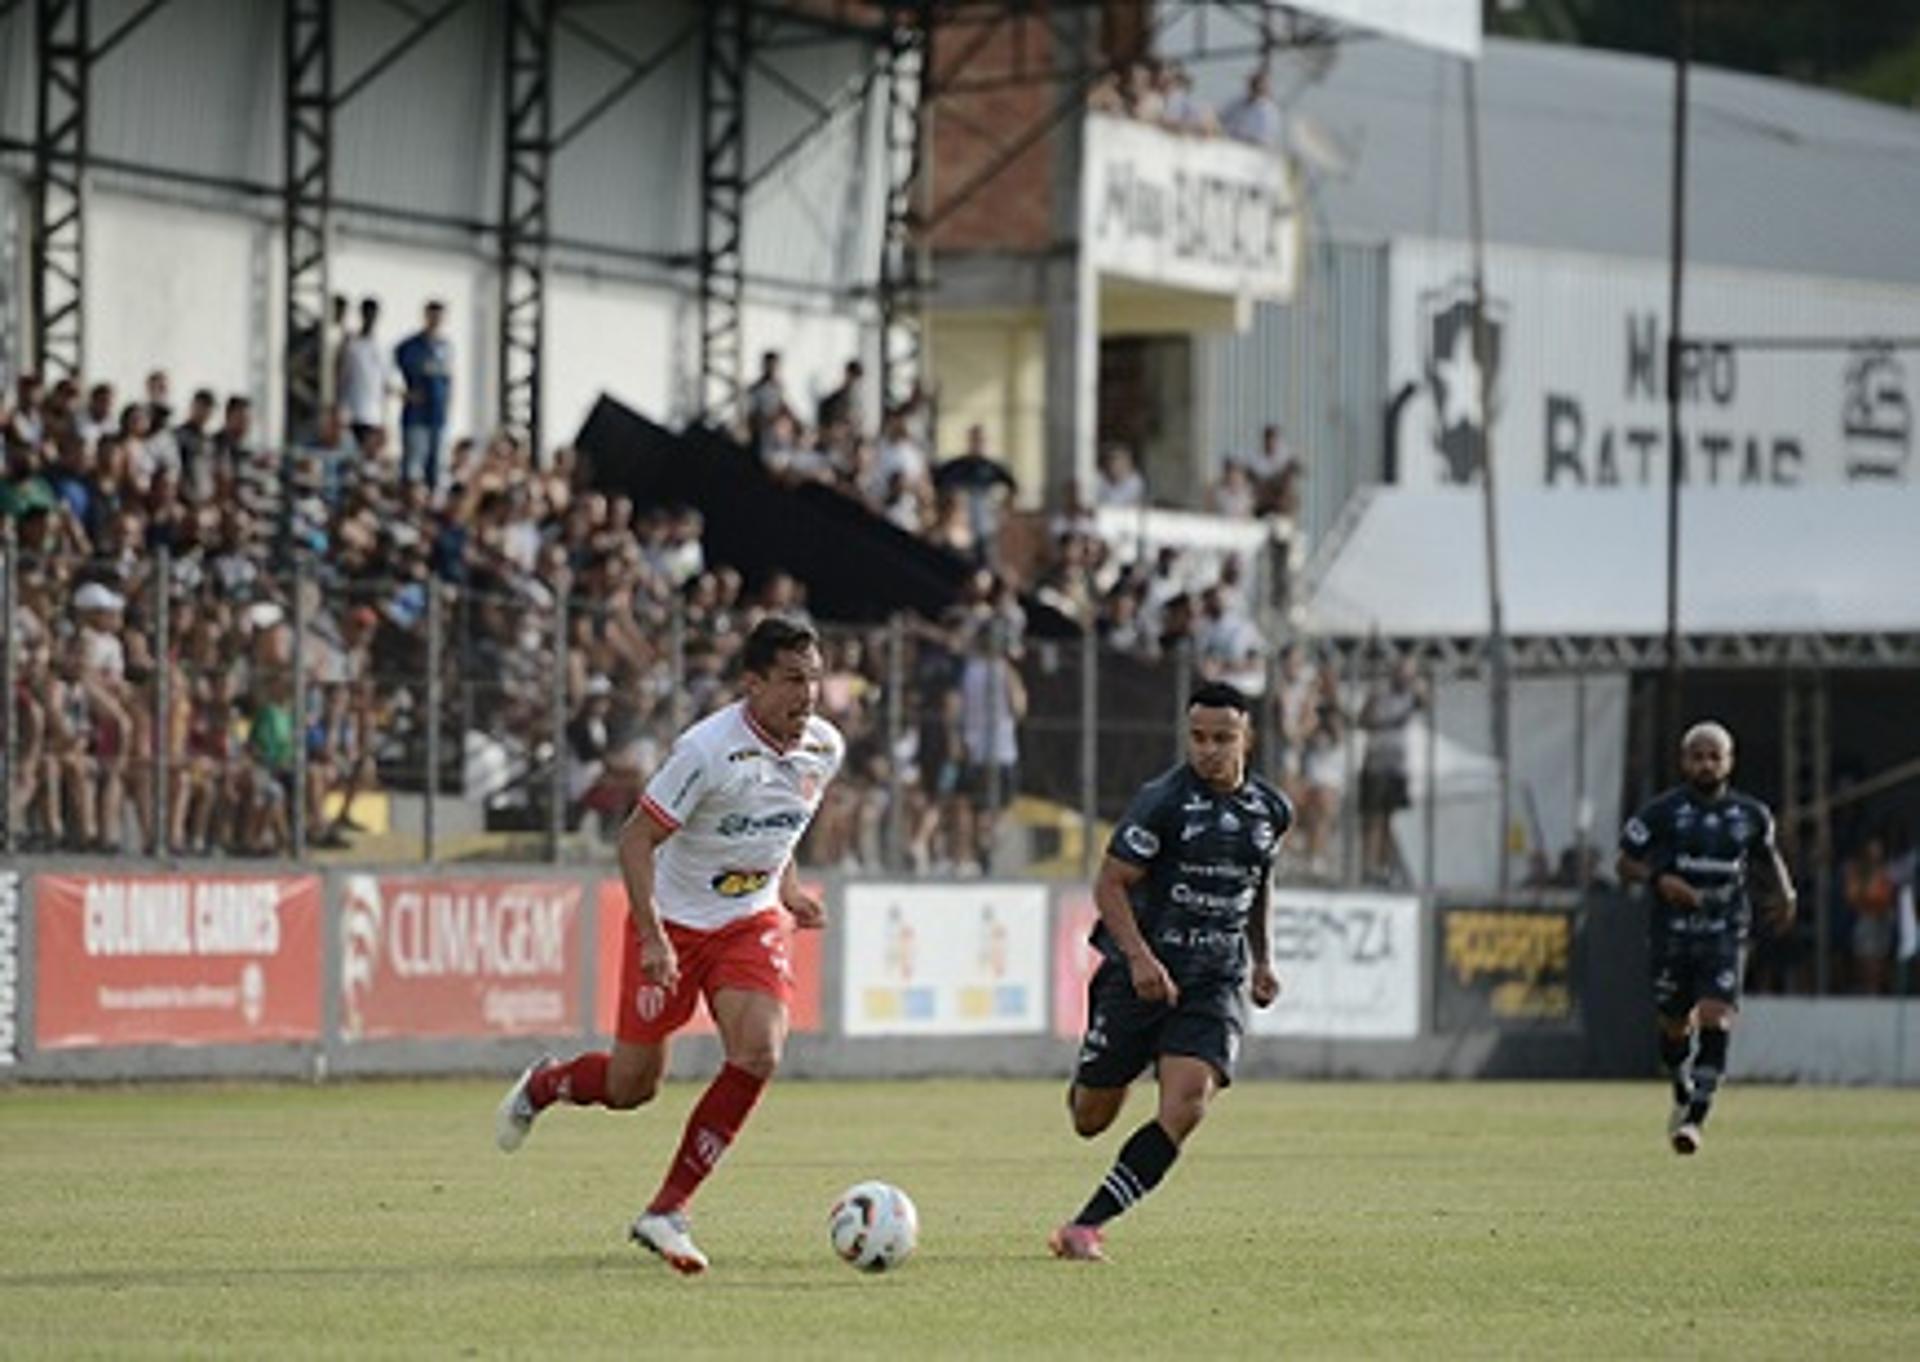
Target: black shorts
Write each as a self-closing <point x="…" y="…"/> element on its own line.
<point x="1124" y="1034"/>
<point x="1690" y="968"/>
<point x="1383" y="792"/>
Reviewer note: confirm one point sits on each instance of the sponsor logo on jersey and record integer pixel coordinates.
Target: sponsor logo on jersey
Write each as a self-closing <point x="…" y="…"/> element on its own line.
<point x="1262" y="836"/>
<point x="1191" y="831"/>
<point x="744" y="824"/>
<point x="1196" y="804"/>
<point x="737" y="884"/>
<point x="819" y="749"/>
<point x="1637" y="832"/>
<point x="743" y="754"/>
<point x="1228" y="821"/>
<point x="1140" y="841"/>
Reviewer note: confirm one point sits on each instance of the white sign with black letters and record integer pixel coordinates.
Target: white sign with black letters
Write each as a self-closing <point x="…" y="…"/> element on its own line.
<point x="1575" y="354"/>
<point x="1210" y="215"/>
<point x="1349" y="966"/>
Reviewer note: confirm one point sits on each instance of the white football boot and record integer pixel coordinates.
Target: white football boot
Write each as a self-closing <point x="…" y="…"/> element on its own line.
<point x="513" y="1118"/>
<point x="666" y="1236"/>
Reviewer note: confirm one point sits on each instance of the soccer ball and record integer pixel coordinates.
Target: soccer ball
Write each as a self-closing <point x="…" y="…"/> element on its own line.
<point x="873" y="1226"/>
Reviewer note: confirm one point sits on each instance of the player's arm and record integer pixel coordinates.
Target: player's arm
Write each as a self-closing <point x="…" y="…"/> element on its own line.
<point x="645" y="830"/>
<point x="1265" y="984"/>
<point x="1111" y="888"/>
<point x="809" y="913"/>
<point x="1773" y="880"/>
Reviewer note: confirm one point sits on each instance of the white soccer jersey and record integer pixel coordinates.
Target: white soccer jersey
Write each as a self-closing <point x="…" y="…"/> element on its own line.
<point x="738" y="806"/>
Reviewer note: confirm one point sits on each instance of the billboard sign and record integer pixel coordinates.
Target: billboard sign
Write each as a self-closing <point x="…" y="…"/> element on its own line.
<point x="1576" y="360"/>
<point x="431" y="957"/>
<point x="1349" y="966"/>
<point x="1511" y="968"/>
<point x="1213" y="217"/>
<point x="164" y="959"/>
<point x="944" y="960"/>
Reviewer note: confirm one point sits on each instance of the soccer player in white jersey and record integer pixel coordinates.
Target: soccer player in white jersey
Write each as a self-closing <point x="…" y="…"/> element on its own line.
<point x="708" y="863"/>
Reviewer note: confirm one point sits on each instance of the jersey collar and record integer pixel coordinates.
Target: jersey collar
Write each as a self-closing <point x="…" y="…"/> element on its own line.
<point x="754" y="727"/>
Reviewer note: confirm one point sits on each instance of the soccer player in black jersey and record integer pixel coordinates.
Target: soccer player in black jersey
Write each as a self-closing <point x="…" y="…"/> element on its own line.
<point x="1695" y="845"/>
<point x="1182" y="895"/>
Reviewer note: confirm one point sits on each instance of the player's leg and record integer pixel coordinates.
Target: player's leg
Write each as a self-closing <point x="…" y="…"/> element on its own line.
<point x="630" y="1074"/>
<point x="749" y="981"/>
<point x="1719" y="989"/>
<point x="1673" y="1000"/>
<point x="1121" y="1039"/>
<point x="1093" y="1109"/>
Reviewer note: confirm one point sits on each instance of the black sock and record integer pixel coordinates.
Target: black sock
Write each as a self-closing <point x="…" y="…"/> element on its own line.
<point x="1674" y="1051"/>
<point x="1707" y="1069"/>
<point x="1144" y="1159"/>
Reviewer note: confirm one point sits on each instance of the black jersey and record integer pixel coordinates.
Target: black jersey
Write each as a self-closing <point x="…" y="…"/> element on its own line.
<point x="1207" y="856"/>
<point x="1706" y="842"/>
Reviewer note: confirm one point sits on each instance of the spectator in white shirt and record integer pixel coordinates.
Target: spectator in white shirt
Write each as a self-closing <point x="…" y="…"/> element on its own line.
<point x="1182" y="110"/>
<point x="364" y="376"/>
<point x="1120" y="481"/>
<point x="1255" y="117"/>
<point x="1234" y="494"/>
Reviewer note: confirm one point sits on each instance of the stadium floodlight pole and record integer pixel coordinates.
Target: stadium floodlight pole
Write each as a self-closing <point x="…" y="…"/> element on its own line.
<point x="1672" y="702"/>
<point x="1483" y="365"/>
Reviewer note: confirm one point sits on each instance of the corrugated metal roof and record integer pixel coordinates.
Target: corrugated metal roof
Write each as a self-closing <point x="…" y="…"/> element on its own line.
<point x="1577" y="147"/>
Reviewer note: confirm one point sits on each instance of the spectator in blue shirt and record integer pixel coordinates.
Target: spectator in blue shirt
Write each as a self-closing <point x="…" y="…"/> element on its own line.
<point x="425" y="360"/>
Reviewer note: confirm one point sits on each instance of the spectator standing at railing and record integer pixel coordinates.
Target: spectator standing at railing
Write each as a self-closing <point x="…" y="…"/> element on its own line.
<point x="1181" y="110"/>
<point x="767" y="399"/>
<point x="984" y="486"/>
<point x="1233" y="495"/>
<point x="194" y="443"/>
<point x="1384" y="717"/>
<point x="362" y="377"/>
<point x="27" y="422"/>
<point x="1868" y="886"/>
<point x="425" y="361"/>
<point x="1255" y="117"/>
<point x="1120" y="484"/>
<point x="841" y="407"/>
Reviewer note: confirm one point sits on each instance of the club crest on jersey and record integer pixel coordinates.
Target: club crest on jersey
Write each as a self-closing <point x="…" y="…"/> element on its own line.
<point x="1140" y="841"/>
<point x="737" y="884"/>
<point x="1262" y="836"/>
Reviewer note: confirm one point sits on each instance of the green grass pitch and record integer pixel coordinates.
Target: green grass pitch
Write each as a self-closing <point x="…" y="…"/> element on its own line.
<point x="1307" y="1219"/>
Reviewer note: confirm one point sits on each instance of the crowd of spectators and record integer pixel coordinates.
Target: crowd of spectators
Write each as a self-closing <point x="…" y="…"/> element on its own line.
<point x="1161" y="92"/>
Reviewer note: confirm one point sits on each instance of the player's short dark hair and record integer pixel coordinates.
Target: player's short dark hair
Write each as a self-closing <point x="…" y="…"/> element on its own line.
<point x="772" y="636"/>
<point x="1219" y="695"/>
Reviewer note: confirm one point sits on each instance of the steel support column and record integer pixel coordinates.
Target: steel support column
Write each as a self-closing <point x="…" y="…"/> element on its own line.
<point x="524" y="184"/>
<point x="723" y="185"/>
<point x="59" y="200"/>
<point x="308" y="145"/>
<point x="903" y="249"/>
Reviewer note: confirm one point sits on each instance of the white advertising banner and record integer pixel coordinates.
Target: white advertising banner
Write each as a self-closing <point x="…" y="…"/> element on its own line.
<point x="1349" y="966"/>
<point x="1577" y="349"/>
<point x="1213" y="216"/>
<point x="944" y="960"/>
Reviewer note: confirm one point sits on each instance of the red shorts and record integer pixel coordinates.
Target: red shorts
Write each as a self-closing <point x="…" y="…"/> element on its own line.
<point x="754" y="953"/>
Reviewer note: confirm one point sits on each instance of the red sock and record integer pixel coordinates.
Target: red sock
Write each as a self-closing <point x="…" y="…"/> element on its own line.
<point x="581" y="1081"/>
<point x="715" y="1121"/>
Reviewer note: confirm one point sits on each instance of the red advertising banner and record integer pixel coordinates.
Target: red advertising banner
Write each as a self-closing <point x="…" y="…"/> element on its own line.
<point x="804" y="1015"/>
<point x="429" y="957"/>
<point x="176" y="960"/>
<point x="1074" y="961"/>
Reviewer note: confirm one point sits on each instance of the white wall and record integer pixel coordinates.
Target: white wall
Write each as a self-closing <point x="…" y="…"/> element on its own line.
<point x="172" y="288"/>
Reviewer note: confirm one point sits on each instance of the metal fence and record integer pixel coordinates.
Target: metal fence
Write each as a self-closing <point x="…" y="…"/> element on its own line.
<point x="302" y="711"/>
